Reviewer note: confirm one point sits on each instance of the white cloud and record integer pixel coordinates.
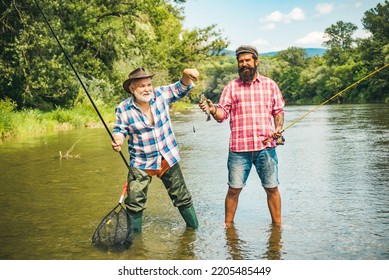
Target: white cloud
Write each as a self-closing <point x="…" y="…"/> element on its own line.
<point x="312" y="39"/>
<point x="261" y="44"/>
<point x="296" y="14"/>
<point x="273" y="17"/>
<point x="269" y="26"/>
<point x="328" y="8"/>
<point x="324" y="8"/>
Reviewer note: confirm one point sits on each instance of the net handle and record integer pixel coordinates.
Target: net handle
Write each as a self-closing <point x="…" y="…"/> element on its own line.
<point x="124" y="192"/>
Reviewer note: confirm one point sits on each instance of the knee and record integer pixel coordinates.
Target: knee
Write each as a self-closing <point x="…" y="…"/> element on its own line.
<point x="272" y="191"/>
<point x="233" y="192"/>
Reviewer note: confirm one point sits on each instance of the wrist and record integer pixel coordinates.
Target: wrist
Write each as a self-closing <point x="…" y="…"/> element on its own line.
<point x="214" y="112"/>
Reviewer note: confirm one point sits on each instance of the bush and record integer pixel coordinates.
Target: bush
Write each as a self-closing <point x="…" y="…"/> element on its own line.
<point x="63" y="116"/>
<point x="7" y="107"/>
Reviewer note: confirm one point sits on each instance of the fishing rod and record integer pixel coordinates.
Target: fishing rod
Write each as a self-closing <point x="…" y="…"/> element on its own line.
<point x="281" y="139"/>
<point x="82" y="84"/>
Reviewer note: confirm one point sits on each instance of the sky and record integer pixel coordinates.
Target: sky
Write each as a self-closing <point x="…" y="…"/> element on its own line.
<point x="278" y="24"/>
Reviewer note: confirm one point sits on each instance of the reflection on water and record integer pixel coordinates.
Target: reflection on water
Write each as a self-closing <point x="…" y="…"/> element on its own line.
<point x="274" y="245"/>
<point x="234" y="244"/>
<point x="237" y="247"/>
<point x="334" y="174"/>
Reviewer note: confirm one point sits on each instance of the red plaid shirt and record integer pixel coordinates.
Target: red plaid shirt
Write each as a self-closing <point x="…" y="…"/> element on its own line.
<point x="251" y="108"/>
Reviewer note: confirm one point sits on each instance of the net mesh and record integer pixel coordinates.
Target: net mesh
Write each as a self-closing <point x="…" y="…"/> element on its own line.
<point x="115" y="230"/>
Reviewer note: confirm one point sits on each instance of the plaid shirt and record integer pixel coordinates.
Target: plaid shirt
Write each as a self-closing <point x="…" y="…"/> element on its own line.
<point x="147" y="144"/>
<point x="251" y="108"/>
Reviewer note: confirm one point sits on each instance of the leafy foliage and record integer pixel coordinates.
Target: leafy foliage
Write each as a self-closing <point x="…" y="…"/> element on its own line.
<point x="105" y="40"/>
<point x="307" y="80"/>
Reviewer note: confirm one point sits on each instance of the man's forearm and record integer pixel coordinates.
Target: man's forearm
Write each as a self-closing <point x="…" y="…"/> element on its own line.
<point x="217" y="114"/>
<point x="279" y="121"/>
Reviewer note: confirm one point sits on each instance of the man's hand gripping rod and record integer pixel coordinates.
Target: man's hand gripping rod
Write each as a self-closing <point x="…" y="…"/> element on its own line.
<point x="280" y="139"/>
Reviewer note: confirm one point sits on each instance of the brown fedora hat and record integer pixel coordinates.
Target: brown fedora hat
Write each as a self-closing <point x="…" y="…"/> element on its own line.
<point x="138" y="73"/>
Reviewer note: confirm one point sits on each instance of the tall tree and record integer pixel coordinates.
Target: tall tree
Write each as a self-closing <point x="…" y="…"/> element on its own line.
<point x="376" y="21"/>
<point x="340" y="35"/>
<point x="374" y="51"/>
<point x="104" y="39"/>
<point x="339" y="41"/>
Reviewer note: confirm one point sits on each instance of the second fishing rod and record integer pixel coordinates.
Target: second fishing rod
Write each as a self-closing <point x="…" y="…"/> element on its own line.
<point x="281" y="139"/>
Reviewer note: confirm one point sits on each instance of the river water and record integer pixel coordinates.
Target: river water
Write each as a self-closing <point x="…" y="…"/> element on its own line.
<point x="334" y="183"/>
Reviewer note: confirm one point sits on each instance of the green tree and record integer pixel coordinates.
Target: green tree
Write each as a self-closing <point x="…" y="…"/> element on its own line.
<point x="291" y="63"/>
<point x="376" y="21"/>
<point x="313" y="78"/>
<point x="340" y="42"/>
<point x="294" y="56"/>
<point x="219" y="73"/>
<point x="374" y="52"/>
<point x="104" y="39"/>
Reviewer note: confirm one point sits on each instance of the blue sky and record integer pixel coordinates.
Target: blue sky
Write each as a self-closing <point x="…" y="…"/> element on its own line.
<point x="278" y="24"/>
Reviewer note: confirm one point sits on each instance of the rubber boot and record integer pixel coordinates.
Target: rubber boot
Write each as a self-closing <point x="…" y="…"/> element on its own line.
<point x="190" y="217"/>
<point x="136" y="221"/>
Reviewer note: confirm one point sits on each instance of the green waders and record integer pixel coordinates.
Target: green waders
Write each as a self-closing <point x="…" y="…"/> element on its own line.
<point x="174" y="182"/>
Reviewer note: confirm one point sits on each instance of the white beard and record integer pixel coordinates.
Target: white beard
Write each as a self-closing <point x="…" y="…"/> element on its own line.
<point x="143" y="97"/>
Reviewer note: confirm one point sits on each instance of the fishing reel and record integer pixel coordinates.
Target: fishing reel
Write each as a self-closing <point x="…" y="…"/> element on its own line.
<point x="280" y="140"/>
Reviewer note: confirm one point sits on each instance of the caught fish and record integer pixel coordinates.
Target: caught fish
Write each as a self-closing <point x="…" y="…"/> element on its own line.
<point x="207" y="110"/>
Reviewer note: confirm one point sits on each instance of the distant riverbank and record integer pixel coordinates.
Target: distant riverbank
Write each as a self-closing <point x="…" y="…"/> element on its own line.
<point x="34" y="122"/>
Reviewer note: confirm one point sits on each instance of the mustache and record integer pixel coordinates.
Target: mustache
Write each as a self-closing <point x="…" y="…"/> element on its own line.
<point x="245" y="67"/>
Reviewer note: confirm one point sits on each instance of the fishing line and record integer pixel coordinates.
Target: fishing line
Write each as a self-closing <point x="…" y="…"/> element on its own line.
<point x="336" y="95"/>
<point x="281" y="141"/>
<point x="82" y="84"/>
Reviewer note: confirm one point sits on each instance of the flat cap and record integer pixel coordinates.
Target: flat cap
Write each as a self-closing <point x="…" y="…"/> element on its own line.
<point x="246" y="49"/>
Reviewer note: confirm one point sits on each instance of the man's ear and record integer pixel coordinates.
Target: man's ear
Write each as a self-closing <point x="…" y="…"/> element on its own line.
<point x="256" y="62"/>
<point x="131" y="87"/>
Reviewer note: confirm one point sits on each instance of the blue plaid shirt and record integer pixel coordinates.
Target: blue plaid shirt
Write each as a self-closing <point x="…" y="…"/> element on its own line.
<point x="147" y="144"/>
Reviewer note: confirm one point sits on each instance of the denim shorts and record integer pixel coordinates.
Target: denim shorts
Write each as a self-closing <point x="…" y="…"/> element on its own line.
<point x="265" y="162"/>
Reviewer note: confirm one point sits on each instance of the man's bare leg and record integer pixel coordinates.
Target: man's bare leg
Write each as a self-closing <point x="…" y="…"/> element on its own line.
<point x="274" y="204"/>
<point x="231" y="204"/>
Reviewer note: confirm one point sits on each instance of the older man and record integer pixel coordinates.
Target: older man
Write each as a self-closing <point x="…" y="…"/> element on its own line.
<point x="144" y="118"/>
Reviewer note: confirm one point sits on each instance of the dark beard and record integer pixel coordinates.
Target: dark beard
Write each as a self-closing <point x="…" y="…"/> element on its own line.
<point x="247" y="77"/>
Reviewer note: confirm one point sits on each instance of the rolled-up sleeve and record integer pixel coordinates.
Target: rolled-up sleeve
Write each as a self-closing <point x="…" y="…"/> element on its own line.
<point x="225" y="103"/>
<point x="278" y="103"/>
<point x="172" y="93"/>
